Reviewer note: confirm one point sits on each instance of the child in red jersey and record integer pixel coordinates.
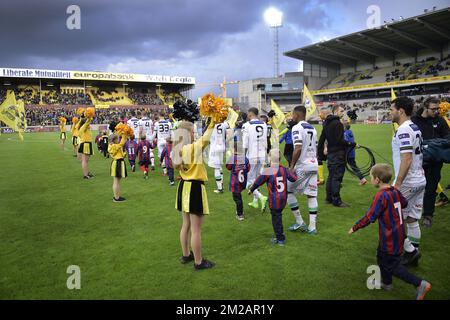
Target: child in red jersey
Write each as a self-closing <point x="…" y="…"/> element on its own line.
<point x="387" y="209"/>
<point x="131" y="150"/>
<point x="239" y="166"/>
<point x="166" y="158"/>
<point x="143" y="152"/>
<point x="276" y="177"/>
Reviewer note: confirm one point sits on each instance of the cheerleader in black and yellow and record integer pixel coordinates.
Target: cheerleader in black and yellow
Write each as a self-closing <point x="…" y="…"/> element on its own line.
<point x="74" y="131"/>
<point x="85" y="141"/>
<point x="191" y="198"/>
<point x="62" y="129"/>
<point x="118" y="167"/>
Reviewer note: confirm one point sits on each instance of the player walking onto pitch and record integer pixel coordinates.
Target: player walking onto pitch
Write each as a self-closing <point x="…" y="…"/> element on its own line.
<point x="163" y="131"/>
<point x="409" y="175"/>
<point x="146" y="128"/>
<point x="216" y="151"/>
<point x="304" y="164"/>
<point x="133" y="123"/>
<point x="254" y="134"/>
<point x="387" y="207"/>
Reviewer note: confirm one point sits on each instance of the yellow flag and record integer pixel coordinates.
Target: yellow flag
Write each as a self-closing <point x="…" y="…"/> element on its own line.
<point x="308" y="101"/>
<point x="232" y="118"/>
<point x="279" y="116"/>
<point x="394" y="125"/>
<point x="393" y="95"/>
<point x="12" y="113"/>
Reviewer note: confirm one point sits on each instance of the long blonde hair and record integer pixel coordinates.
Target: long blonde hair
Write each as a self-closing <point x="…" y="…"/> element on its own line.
<point x="182" y="137"/>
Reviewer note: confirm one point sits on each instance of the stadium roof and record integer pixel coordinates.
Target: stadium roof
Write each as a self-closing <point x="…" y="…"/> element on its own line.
<point x="407" y="36"/>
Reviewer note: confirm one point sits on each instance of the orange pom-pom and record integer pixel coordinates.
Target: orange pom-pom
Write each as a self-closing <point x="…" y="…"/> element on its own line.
<point x="80" y="111"/>
<point x="89" y="113"/>
<point x="74" y="120"/>
<point x="62" y="120"/>
<point x="214" y="107"/>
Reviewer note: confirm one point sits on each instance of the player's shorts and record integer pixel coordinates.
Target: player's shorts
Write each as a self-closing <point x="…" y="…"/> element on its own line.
<point x="62" y="136"/>
<point x="118" y="168"/>
<point x="255" y="170"/>
<point x="161" y="146"/>
<point x="86" y="148"/>
<point x="306" y="183"/>
<point x="191" y="197"/>
<point x="145" y="163"/>
<point x="215" y="160"/>
<point x="74" y="140"/>
<point x="414" y="195"/>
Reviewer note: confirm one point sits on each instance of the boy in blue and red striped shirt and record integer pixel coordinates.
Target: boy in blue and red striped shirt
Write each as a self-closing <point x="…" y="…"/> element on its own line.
<point x="239" y="166"/>
<point x="276" y="177"/>
<point x="131" y="149"/>
<point x="143" y="151"/>
<point x="387" y="209"/>
<point x="166" y="156"/>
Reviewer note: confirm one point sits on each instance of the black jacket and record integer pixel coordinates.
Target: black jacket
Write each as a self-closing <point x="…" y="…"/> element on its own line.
<point x="333" y="133"/>
<point x="431" y="128"/>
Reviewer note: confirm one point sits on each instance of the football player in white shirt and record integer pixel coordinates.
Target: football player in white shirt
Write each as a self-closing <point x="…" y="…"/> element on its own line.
<point x="409" y="175"/>
<point x="304" y="164"/>
<point x="216" y="151"/>
<point x="133" y="123"/>
<point x="163" y="131"/>
<point x="146" y="128"/>
<point x="254" y="134"/>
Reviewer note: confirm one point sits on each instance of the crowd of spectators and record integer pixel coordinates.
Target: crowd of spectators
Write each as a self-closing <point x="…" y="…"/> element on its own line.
<point x="144" y="98"/>
<point x="48" y="115"/>
<point x="58" y="97"/>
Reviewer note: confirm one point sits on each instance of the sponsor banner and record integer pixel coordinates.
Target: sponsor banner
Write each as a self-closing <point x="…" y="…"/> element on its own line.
<point x="383" y="85"/>
<point x="92" y="75"/>
<point x="32" y="129"/>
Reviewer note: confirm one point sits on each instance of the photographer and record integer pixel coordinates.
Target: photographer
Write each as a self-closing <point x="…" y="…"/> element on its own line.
<point x="432" y="126"/>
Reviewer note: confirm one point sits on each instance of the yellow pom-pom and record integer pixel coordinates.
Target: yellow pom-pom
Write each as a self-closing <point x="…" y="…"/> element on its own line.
<point x="80" y="111"/>
<point x="74" y="120"/>
<point x="207" y="105"/>
<point x="62" y="120"/>
<point x="444" y="108"/>
<point x="89" y="113"/>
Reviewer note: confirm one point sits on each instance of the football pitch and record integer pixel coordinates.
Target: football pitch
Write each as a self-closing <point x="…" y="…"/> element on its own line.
<point x="50" y="218"/>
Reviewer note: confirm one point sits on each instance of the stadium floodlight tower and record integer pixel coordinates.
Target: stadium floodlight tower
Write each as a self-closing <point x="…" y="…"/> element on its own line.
<point x="274" y="19"/>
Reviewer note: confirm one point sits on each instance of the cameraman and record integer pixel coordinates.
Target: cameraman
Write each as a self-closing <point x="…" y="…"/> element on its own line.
<point x="333" y="133"/>
<point x="432" y="126"/>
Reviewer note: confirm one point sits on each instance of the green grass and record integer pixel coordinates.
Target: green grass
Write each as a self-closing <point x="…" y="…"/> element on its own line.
<point x="50" y="218"/>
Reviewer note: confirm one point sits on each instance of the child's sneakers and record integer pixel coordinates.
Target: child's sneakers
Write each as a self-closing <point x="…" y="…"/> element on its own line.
<point x="298" y="227"/>
<point x="187" y="259"/>
<point x="312" y="231"/>
<point x="422" y="290"/>
<point x="205" y="264"/>
<point x="387" y="287"/>
<point x="281" y="243"/>
<point x="218" y="191"/>
<point x="240" y="217"/>
<point x="171" y="183"/>
<point x="146" y="175"/>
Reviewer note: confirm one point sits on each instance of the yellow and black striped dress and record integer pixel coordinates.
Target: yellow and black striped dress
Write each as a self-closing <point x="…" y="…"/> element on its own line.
<point x="62" y="129"/>
<point x="74" y="130"/>
<point x="118" y="166"/>
<point x="85" y="138"/>
<point x="191" y="192"/>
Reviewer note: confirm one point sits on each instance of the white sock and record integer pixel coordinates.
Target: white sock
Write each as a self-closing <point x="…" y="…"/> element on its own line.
<point x="293" y="204"/>
<point x="219" y="178"/>
<point x="312" y="221"/>
<point x="408" y="245"/>
<point x="414" y="234"/>
<point x="152" y="161"/>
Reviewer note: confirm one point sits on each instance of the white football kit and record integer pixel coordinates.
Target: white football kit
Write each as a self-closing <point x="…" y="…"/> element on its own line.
<point x="217" y="145"/>
<point x="408" y="139"/>
<point x="133" y="123"/>
<point x="163" y="131"/>
<point x="255" y="141"/>
<point x="304" y="135"/>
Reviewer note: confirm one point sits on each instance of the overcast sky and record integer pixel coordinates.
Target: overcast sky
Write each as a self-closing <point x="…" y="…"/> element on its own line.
<point x="206" y="39"/>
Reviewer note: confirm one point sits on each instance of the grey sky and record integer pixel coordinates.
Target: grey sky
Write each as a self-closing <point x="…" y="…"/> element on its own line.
<point x="207" y="39"/>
